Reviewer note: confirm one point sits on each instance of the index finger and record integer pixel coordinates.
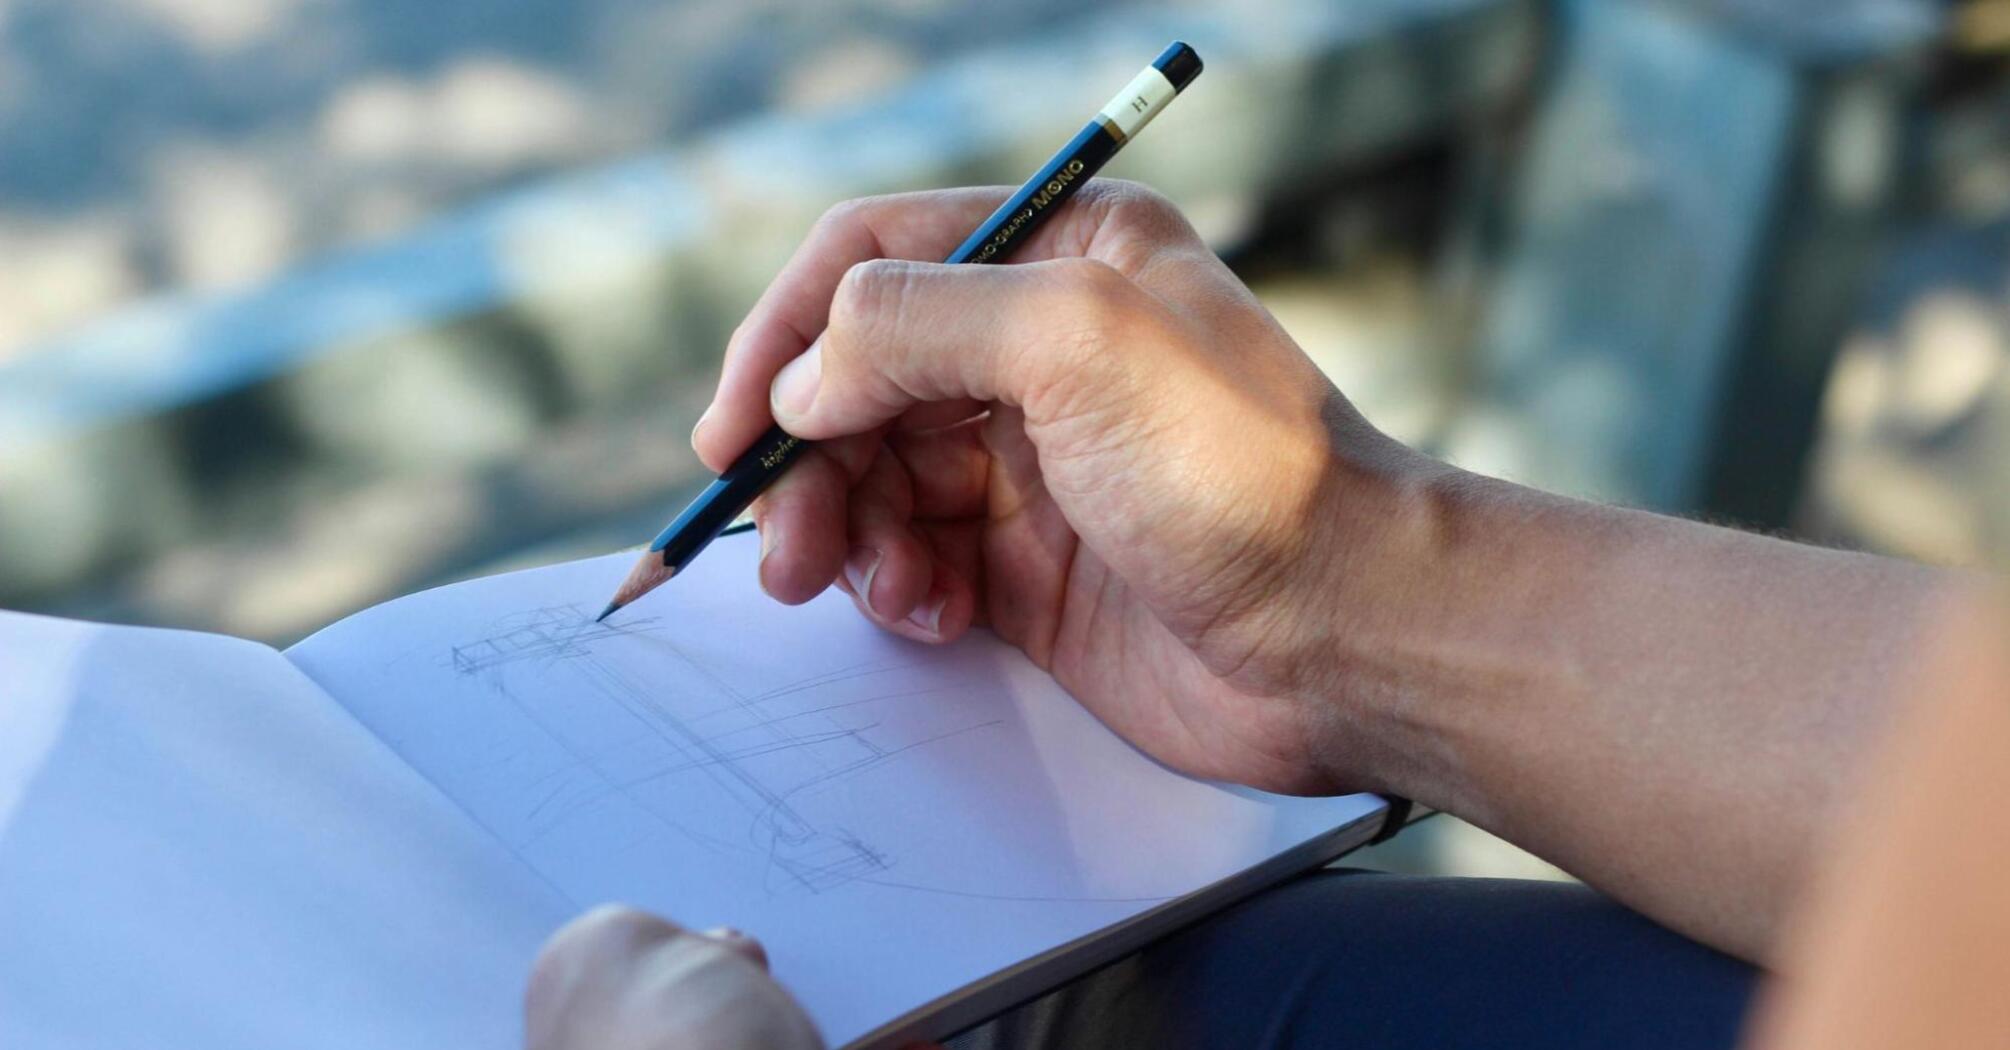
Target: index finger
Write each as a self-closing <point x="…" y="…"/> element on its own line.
<point x="793" y="311"/>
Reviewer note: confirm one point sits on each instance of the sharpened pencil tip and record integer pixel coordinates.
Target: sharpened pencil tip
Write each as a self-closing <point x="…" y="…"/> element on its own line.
<point x="648" y="572"/>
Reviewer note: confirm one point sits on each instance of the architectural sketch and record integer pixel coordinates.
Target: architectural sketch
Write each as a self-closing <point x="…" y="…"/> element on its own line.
<point x="762" y="755"/>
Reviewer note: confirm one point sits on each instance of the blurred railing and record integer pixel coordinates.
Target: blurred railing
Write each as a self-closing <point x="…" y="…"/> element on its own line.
<point x="263" y="462"/>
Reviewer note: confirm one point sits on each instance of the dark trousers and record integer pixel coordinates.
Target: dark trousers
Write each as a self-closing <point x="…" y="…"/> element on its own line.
<point x="1367" y="961"/>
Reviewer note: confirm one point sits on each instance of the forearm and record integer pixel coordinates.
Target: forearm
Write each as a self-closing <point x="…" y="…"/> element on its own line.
<point x="1668" y="710"/>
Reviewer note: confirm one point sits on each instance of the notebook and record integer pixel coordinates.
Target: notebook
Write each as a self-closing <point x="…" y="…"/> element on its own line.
<point x="363" y="840"/>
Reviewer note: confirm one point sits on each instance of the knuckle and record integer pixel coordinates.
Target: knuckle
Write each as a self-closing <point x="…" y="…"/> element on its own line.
<point x="844" y="213"/>
<point x="604" y="927"/>
<point x="1087" y="357"/>
<point x="884" y="327"/>
<point x="616" y="917"/>
<point x="1143" y="222"/>
<point x="736" y="344"/>
<point x="868" y="299"/>
<point x="596" y="940"/>
<point x="693" y="962"/>
<point x="845" y="221"/>
<point x="571" y="951"/>
<point x="1134" y="203"/>
<point x="705" y="954"/>
<point x="1138" y="199"/>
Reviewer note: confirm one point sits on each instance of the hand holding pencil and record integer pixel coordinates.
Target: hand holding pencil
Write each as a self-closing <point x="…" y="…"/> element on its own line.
<point x="1012" y="223"/>
<point x="1111" y="455"/>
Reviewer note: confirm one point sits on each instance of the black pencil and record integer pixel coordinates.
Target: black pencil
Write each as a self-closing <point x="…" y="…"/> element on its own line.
<point x="728" y="497"/>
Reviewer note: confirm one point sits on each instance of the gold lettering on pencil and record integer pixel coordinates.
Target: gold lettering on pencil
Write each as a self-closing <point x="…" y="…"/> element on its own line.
<point x="1047" y="195"/>
<point x="773" y="457"/>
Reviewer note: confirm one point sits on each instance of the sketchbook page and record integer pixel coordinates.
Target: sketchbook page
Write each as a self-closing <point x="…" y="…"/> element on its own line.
<point x="200" y="851"/>
<point x="896" y="821"/>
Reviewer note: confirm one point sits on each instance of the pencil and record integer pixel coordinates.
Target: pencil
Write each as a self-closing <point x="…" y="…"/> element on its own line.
<point x="726" y="498"/>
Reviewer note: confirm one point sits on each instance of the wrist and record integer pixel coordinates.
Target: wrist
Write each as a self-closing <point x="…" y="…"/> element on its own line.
<point x="1395" y="579"/>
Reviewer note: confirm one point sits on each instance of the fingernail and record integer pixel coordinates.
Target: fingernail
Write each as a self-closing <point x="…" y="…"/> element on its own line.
<point x="860" y="566"/>
<point x="928" y="616"/>
<point x="703" y="418"/>
<point x="769" y="539"/>
<point x="795" y="386"/>
<point x="740" y="942"/>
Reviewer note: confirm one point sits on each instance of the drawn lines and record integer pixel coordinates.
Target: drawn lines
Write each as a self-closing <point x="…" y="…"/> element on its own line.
<point x="772" y="758"/>
<point x="559" y="631"/>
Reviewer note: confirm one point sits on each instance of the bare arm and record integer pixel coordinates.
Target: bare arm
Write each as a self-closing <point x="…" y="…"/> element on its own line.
<point x="1905" y="939"/>
<point x="1673" y="712"/>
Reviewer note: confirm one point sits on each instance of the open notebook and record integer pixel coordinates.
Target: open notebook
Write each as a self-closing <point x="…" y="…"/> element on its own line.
<point x="363" y="840"/>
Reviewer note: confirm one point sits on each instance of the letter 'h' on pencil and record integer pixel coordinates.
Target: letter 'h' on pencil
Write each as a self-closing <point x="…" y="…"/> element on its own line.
<point x="728" y="497"/>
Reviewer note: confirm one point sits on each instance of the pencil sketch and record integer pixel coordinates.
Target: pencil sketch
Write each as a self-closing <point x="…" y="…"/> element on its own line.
<point x="761" y="753"/>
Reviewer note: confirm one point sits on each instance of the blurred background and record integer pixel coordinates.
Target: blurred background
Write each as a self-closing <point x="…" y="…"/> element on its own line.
<point x="305" y="304"/>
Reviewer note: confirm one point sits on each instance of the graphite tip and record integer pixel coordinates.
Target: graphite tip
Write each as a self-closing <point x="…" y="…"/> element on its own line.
<point x="648" y="574"/>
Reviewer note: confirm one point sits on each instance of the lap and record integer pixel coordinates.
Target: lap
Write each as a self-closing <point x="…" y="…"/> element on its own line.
<point x="1365" y="960"/>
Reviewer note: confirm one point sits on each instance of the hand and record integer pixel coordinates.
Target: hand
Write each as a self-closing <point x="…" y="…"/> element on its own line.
<point x="1107" y="451"/>
<point x="619" y="979"/>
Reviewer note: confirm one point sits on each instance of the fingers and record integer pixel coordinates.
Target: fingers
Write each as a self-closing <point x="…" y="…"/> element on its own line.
<point x="801" y="518"/>
<point x="845" y="512"/>
<point x="594" y="942"/>
<point x="793" y="309"/>
<point x="943" y="614"/>
<point x="898" y="571"/>
<point x="949" y="607"/>
<point x="897" y="574"/>
<point x="818" y="525"/>
<point x="935" y="415"/>
<point x="888" y="569"/>
<point x="902" y="334"/>
<point x="618" y="977"/>
<point x="949" y="469"/>
<point x="1122" y="223"/>
<point x="739" y="943"/>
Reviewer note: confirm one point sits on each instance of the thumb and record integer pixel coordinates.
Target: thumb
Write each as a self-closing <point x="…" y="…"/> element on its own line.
<point x="741" y="943"/>
<point x="904" y="333"/>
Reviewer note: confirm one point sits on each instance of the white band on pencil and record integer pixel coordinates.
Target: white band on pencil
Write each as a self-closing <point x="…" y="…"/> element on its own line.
<point x="1138" y="103"/>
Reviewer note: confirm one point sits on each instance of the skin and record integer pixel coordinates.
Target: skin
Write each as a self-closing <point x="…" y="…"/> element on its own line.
<point x="1905" y="940"/>
<point x="1111" y="455"/>
<point x="620" y="979"/>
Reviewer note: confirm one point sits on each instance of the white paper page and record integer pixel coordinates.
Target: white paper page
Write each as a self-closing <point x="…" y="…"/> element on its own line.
<point x="200" y="851"/>
<point x="895" y="820"/>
